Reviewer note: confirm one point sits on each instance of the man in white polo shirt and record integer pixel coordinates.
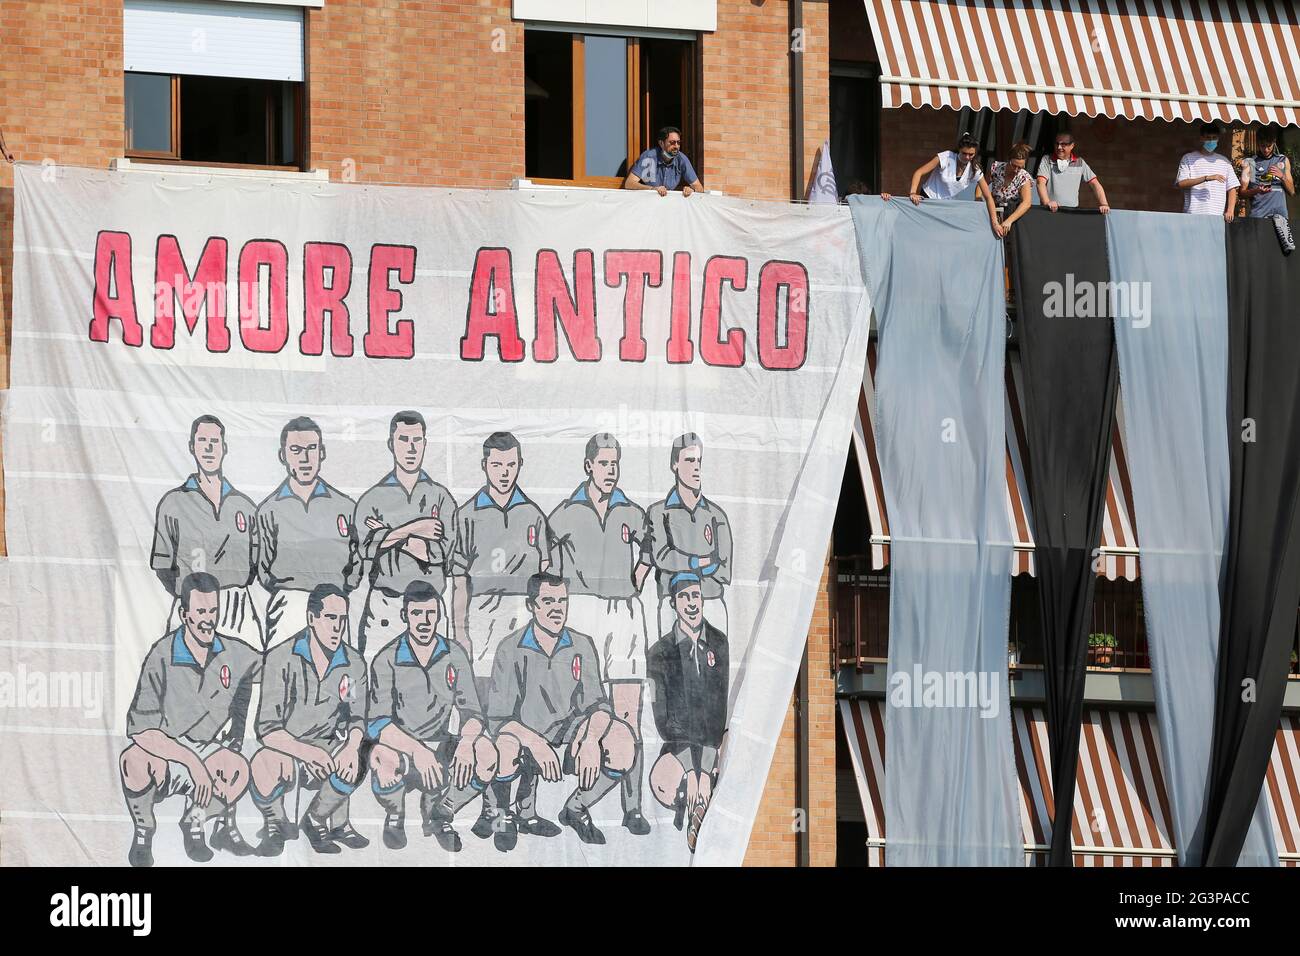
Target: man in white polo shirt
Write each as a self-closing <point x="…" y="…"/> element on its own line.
<point x="1208" y="181"/>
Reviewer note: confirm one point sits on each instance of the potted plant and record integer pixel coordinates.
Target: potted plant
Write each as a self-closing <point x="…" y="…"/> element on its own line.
<point x="1101" y="648"/>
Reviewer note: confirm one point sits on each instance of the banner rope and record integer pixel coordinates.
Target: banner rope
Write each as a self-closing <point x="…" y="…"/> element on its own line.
<point x="247" y="175"/>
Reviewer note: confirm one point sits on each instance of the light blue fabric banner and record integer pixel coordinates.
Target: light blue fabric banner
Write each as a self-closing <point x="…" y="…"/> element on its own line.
<point x="935" y="272"/>
<point x="1170" y="306"/>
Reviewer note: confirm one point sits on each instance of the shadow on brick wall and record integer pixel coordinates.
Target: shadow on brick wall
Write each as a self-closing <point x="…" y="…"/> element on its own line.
<point x="6" y="279"/>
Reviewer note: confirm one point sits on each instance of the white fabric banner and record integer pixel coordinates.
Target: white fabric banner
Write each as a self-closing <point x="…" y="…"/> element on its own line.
<point x="206" y="381"/>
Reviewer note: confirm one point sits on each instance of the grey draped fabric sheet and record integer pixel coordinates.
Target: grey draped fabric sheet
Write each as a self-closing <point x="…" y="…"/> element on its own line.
<point x="1261" y="581"/>
<point x="1174" y="378"/>
<point x="935" y="272"/>
<point x="1070" y="373"/>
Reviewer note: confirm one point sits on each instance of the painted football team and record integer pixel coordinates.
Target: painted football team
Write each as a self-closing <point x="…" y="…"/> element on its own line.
<point x="499" y="648"/>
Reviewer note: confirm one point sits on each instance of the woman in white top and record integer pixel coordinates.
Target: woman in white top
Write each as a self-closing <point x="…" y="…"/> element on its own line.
<point x="951" y="173"/>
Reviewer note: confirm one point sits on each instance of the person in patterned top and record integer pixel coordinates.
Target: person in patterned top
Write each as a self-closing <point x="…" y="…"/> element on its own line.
<point x="1011" y="184"/>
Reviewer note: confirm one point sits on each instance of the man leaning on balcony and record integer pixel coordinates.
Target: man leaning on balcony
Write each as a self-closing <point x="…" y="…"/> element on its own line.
<point x="664" y="167"/>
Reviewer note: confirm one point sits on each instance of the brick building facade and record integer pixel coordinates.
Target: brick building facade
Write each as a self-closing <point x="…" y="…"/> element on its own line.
<point x="431" y="92"/>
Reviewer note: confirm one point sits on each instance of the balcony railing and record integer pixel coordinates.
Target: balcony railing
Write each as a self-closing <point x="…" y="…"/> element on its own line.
<point x="860" y="596"/>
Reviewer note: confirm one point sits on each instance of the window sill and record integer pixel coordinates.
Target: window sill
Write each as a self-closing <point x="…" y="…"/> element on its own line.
<point x="520" y="183"/>
<point x="551" y="184"/>
<point x="239" y="172"/>
<point x="314" y="4"/>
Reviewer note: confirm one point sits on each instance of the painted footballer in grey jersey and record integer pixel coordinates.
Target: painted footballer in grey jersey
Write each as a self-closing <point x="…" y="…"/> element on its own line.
<point x="502" y="538"/>
<point x="601" y="548"/>
<point x="206" y="525"/>
<point x="690" y="533"/>
<point x="306" y="534"/>
<point x="186" y="725"/>
<point x="427" y="723"/>
<point x="311" y="722"/>
<point x="547" y="703"/>
<point x="407" y="523"/>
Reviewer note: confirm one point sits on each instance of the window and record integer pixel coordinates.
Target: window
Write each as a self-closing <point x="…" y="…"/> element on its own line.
<point x="655" y="14"/>
<point x="214" y="82"/>
<point x="593" y="102"/>
<point x="855" y="126"/>
<point x="213" y="119"/>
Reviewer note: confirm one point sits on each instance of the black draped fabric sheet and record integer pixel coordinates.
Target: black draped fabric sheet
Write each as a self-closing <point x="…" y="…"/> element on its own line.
<point x="1261" y="574"/>
<point x="1070" y="371"/>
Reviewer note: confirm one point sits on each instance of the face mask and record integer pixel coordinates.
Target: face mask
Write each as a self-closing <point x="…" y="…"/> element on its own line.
<point x="1210" y="145"/>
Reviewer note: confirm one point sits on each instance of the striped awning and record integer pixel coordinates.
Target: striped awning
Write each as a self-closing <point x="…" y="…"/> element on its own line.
<point x="1283" y="784"/>
<point x="1118" y="538"/>
<point x="1232" y="60"/>
<point x="1120" y="800"/>
<point x="1122" y="814"/>
<point x="1018" y="513"/>
<point x="864" y="444"/>
<point x="1119" y="543"/>
<point x="864" y="730"/>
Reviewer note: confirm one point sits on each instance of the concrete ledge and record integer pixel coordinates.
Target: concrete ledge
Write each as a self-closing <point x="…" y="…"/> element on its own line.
<point x="1101" y="688"/>
<point x="195" y="169"/>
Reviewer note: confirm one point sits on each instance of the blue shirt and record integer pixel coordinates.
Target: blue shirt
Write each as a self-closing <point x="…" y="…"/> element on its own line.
<point x="653" y="171"/>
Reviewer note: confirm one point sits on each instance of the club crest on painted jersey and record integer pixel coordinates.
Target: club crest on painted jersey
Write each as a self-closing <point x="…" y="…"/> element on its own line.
<point x="577" y="667"/>
<point x="627" y="534"/>
<point x="433" y="512"/>
<point x="225" y="676"/>
<point x="346" y="690"/>
<point x="241" y="523"/>
<point x="532" y="536"/>
<point x="713" y="661"/>
<point x="343" y="526"/>
<point x="708" y="533"/>
<point x="451" y="676"/>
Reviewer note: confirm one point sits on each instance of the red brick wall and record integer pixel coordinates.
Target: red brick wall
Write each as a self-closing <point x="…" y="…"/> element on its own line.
<point x="851" y="38"/>
<point x="417" y="91"/>
<point x="773" y="841"/>
<point x="747" y="96"/>
<point x="816" y="83"/>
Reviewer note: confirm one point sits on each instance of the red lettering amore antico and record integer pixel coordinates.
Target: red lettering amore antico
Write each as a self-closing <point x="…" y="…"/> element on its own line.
<point x="197" y="290"/>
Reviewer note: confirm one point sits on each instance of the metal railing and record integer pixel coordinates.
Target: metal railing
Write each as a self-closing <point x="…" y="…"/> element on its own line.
<point x="860" y="603"/>
<point x="860" y="611"/>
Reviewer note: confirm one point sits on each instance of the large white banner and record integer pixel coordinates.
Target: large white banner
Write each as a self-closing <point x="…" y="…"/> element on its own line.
<point x="371" y="525"/>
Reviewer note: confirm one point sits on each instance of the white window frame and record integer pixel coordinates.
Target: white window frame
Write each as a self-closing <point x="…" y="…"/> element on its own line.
<point x="689" y="15"/>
